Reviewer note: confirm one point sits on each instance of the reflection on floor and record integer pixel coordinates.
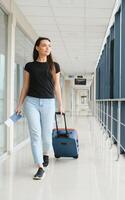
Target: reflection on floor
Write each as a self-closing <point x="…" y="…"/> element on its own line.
<point x="94" y="176"/>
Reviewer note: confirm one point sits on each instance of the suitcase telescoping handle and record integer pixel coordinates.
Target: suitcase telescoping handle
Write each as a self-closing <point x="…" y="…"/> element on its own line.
<point x="58" y="113"/>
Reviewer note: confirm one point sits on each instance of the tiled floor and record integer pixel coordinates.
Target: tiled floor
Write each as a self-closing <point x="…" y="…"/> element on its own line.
<point x="94" y="176"/>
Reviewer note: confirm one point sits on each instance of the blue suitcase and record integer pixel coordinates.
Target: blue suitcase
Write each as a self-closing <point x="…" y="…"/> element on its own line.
<point x="65" y="141"/>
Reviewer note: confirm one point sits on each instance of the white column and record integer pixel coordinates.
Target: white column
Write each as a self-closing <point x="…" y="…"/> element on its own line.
<point x="72" y="102"/>
<point x="94" y="93"/>
<point x="63" y="95"/>
<point x="10" y="76"/>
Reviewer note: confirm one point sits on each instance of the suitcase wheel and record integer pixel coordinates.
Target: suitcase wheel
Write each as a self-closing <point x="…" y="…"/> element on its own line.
<point x="76" y="156"/>
<point x="57" y="156"/>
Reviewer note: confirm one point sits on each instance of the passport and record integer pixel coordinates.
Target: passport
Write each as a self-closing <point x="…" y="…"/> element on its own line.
<point x="13" y="119"/>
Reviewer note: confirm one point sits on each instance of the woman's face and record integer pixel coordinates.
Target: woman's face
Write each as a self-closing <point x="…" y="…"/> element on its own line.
<point x="44" y="48"/>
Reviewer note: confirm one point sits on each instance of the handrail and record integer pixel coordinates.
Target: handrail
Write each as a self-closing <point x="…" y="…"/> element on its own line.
<point x="110" y="100"/>
<point x="102" y="114"/>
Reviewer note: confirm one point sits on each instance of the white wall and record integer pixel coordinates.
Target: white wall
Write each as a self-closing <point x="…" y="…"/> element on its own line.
<point x="93" y="93"/>
<point x="68" y="95"/>
<point x="24" y="24"/>
<point x="6" y="5"/>
<point x="81" y="106"/>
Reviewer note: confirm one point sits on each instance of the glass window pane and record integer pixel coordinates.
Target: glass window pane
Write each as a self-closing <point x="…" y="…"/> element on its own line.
<point x="23" y="54"/>
<point x="3" y="50"/>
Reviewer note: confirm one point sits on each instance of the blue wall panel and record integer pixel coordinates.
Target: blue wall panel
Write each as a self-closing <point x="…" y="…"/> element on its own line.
<point x="123" y="121"/>
<point x="123" y="50"/>
<point x="116" y="55"/>
<point x="123" y="72"/>
<point x="109" y="118"/>
<point x="111" y="61"/>
<point x="108" y="67"/>
<point x="104" y="74"/>
<point x="97" y="77"/>
<point x="101" y="78"/>
<point x="115" y="106"/>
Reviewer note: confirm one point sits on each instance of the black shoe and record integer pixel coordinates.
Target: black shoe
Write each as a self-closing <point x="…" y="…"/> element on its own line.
<point x="46" y="160"/>
<point x="39" y="174"/>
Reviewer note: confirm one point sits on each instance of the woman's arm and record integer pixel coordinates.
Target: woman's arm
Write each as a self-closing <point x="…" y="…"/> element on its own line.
<point x="23" y="91"/>
<point x="58" y="92"/>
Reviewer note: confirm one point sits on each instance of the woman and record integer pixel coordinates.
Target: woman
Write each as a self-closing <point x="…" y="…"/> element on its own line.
<point x="41" y="84"/>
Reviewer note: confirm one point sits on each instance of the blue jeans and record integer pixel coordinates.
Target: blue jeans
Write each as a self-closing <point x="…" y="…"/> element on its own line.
<point x="40" y="116"/>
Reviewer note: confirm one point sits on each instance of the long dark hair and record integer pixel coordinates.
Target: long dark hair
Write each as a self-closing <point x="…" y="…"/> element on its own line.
<point x="49" y="57"/>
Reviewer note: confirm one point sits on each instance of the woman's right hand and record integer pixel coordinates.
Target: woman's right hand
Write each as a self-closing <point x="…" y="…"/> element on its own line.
<point x="18" y="109"/>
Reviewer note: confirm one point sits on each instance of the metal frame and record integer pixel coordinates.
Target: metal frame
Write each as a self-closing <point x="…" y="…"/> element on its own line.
<point x="118" y="120"/>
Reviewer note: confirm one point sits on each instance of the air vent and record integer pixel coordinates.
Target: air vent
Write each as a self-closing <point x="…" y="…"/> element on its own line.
<point x="80" y="76"/>
<point x="71" y="76"/>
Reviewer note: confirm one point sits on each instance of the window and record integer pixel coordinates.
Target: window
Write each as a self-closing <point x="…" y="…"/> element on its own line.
<point x="23" y="54"/>
<point x="3" y="50"/>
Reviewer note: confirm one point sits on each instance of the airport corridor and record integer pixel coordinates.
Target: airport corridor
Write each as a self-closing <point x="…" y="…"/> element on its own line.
<point x="94" y="175"/>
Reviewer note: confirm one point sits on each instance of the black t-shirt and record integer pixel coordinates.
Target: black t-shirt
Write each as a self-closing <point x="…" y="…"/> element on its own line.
<point x="41" y="81"/>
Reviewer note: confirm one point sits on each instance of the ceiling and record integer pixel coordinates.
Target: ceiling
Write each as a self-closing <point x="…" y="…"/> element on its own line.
<point x="76" y="29"/>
